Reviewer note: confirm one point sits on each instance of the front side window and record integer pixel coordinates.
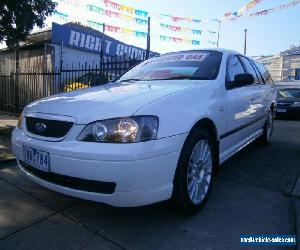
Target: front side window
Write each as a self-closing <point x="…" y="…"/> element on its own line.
<point x="235" y="67"/>
<point x="260" y="77"/>
<point x="250" y="69"/>
<point x="201" y="65"/>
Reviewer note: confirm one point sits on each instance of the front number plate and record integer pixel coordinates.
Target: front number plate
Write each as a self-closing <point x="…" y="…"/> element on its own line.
<point x="36" y="158"/>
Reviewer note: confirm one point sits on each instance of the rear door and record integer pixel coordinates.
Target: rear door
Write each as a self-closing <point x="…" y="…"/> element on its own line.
<point x="258" y="100"/>
<point x="267" y="85"/>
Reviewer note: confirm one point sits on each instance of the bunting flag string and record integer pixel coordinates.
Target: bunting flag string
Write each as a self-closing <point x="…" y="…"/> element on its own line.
<point x="184" y="29"/>
<point x="141" y="34"/>
<point x="143" y="13"/>
<point x="128" y="18"/>
<point x="240" y="12"/>
<point x="183" y="40"/>
<point x="137" y="12"/>
<point x="110" y="13"/>
<point x="275" y="9"/>
<point x="136" y="33"/>
<point x="74" y="3"/>
<point x="124" y="8"/>
<point x="180" y="19"/>
<point x="95" y="25"/>
<point x="179" y="40"/>
<point x="116" y="29"/>
<point x="63" y="17"/>
<point x="134" y="15"/>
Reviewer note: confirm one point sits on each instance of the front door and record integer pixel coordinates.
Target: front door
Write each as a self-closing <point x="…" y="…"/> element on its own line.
<point x="240" y="110"/>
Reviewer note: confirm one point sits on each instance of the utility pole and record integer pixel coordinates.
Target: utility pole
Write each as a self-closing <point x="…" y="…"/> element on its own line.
<point x="16" y="82"/>
<point x="61" y="55"/>
<point x="60" y="66"/>
<point x="219" y="21"/>
<point x="102" y="52"/>
<point x="245" y="42"/>
<point x="148" y="40"/>
<point x="101" y="44"/>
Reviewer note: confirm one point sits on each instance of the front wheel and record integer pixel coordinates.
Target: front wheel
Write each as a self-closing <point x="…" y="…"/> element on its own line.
<point x="194" y="173"/>
<point x="266" y="137"/>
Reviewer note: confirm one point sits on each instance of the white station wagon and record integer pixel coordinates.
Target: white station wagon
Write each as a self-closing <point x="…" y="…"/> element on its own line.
<point x="158" y="132"/>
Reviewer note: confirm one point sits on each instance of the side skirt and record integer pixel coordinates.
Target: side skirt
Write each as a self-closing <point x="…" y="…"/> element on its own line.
<point x="227" y="154"/>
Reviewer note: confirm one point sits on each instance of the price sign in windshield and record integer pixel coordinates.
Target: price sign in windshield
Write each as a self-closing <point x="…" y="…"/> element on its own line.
<point x="200" y="57"/>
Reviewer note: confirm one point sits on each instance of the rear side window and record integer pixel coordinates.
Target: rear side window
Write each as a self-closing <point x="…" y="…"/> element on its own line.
<point x="262" y="81"/>
<point x="250" y="69"/>
<point x="264" y="72"/>
<point x="235" y="67"/>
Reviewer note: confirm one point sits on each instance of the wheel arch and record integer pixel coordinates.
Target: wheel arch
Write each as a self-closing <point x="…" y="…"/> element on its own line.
<point x="209" y="126"/>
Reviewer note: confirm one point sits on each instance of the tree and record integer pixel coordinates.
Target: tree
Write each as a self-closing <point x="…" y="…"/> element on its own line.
<point x="18" y="17"/>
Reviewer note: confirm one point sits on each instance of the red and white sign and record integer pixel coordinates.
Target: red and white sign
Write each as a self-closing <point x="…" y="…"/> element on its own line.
<point x="200" y="57"/>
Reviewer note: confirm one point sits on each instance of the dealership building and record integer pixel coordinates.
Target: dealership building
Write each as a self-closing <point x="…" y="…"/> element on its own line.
<point x="284" y="66"/>
<point x="67" y="45"/>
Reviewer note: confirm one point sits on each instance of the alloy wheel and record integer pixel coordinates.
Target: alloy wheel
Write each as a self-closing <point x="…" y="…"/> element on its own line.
<point x="199" y="172"/>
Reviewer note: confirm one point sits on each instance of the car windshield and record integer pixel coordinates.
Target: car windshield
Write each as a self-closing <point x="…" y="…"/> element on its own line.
<point x="287" y="93"/>
<point x="191" y="65"/>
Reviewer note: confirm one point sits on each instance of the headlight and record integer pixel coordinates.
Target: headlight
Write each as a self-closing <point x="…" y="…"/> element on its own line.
<point x="121" y="130"/>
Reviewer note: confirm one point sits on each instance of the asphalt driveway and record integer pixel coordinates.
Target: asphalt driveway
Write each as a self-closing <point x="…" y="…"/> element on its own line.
<point x="256" y="192"/>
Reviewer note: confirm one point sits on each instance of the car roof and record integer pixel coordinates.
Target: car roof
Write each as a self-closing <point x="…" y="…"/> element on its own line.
<point x="287" y="86"/>
<point x="227" y="51"/>
<point x="204" y="49"/>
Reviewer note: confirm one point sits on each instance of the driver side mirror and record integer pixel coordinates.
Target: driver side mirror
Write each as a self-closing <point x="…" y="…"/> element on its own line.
<point x="241" y="80"/>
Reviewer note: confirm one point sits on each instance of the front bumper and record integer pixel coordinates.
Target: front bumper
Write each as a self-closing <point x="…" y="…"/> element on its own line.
<point x="142" y="172"/>
<point x="288" y="112"/>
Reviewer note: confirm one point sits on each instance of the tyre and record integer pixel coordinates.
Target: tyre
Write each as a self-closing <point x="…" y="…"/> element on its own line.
<point x="195" y="172"/>
<point x="266" y="137"/>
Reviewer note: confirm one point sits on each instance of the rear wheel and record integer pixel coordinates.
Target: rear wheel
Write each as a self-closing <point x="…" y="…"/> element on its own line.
<point x="266" y="137"/>
<point x="194" y="173"/>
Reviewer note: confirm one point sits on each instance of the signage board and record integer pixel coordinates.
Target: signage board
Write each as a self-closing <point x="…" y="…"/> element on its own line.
<point x="87" y="39"/>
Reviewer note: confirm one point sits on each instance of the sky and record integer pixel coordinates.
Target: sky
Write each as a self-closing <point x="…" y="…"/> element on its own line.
<point x="267" y="35"/>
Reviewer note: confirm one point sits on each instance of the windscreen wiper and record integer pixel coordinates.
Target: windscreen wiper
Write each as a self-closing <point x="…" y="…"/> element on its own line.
<point x="169" y="78"/>
<point x="129" y="80"/>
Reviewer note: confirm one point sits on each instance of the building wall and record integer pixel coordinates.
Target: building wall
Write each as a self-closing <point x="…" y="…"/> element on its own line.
<point x="273" y="65"/>
<point x="74" y="58"/>
<point x="30" y="59"/>
<point x="289" y="64"/>
<point x="7" y="62"/>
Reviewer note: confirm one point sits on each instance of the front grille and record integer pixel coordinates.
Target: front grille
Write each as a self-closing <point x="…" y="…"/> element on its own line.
<point x="284" y="104"/>
<point x="47" y="128"/>
<point x="72" y="182"/>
